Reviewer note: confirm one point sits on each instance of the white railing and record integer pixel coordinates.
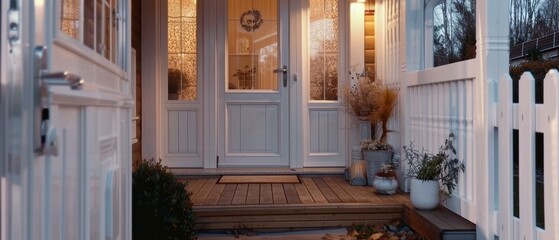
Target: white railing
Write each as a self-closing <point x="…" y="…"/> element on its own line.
<point x="435" y="109"/>
<point x="528" y="118"/>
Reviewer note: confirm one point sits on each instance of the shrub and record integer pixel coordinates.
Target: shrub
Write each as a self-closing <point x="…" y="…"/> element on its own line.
<point x="161" y="206"/>
<point x="538" y="69"/>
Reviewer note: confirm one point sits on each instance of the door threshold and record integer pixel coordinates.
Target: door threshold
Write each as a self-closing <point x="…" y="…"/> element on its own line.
<point x="257" y="171"/>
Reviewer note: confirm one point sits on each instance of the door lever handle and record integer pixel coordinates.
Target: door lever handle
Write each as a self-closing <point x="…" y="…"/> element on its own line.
<point x="61" y="78"/>
<point x="45" y="135"/>
<point x="284" y="71"/>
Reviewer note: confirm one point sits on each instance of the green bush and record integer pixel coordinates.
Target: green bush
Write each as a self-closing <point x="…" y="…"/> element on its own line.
<point x="161" y="206"/>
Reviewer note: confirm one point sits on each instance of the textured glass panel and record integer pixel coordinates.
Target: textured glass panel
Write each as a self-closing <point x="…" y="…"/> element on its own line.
<point x="253" y="45"/>
<point x="188" y="9"/>
<point x="188" y="29"/>
<point x="174" y="9"/>
<point x="181" y="48"/>
<point x="174" y="37"/>
<point x="70" y="18"/>
<point x="317" y="77"/>
<point x="324" y="28"/>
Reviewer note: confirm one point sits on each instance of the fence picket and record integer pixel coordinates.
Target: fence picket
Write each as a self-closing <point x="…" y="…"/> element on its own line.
<point x="526" y="130"/>
<point x="505" y="158"/>
<point x="551" y="156"/>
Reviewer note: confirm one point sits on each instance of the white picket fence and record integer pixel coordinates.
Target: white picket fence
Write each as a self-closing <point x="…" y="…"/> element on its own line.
<point x="528" y="118"/>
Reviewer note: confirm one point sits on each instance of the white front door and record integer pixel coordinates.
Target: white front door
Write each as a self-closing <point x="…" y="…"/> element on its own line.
<point x="65" y="120"/>
<point x="254" y="93"/>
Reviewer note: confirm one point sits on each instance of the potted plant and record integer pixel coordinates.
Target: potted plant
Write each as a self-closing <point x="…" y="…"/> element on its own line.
<point x="385" y="179"/>
<point x="359" y="97"/>
<point x="379" y="151"/>
<point x="370" y="101"/>
<point x="429" y="171"/>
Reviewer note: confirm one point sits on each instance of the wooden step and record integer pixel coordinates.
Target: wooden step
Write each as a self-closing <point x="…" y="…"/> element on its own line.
<point x="439" y="223"/>
<point x="293" y="216"/>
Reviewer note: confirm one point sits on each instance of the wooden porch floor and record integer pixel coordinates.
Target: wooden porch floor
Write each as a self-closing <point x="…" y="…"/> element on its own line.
<point x="317" y="190"/>
<point x="316" y="202"/>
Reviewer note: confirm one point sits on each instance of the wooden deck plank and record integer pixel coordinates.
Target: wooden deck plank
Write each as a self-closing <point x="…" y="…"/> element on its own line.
<point x="338" y="190"/>
<point x="369" y="192"/>
<point x="291" y="194"/>
<point x="326" y="191"/>
<point x="303" y="193"/>
<point x="278" y="194"/>
<point x="253" y="195"/>
<point x="289" y="224"/>
<point x="351" y="190"/>
<point x="204" y="191"/>
<point x="227" y="195"/>
<point x="259" y="179"/>
<point x="315" y="192"/>
<point x="274" y="209"/>
<point x="195" y="184"/>
<point x="266" y="194"/>
<point x="240" y="196"/>
<point x="214" y="195"/>
<point x="300" y="217"/>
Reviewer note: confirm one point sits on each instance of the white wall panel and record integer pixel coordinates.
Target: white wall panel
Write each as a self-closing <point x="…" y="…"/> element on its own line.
<point x="182" y="131"/>
<point x="333" y="131"/>
<point x="271" y="128"/>
<point x="173" y="133"/>
<point x="192" y="131"/>
<point x="324" y="131"/>
<point x="438" y="108"/>
<point x="252" y="128"/>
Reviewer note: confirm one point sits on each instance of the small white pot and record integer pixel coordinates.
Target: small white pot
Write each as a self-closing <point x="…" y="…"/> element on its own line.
<point x="386" y="185"/>
<point x="424" y="194"/>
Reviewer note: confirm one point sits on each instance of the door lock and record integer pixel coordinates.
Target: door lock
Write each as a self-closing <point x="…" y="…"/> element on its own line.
<point x="45" y="134"/>
<point x="284" y="71"/>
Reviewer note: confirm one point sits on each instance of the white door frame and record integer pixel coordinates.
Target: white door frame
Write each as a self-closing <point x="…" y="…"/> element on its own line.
<point x="257" y="100"/>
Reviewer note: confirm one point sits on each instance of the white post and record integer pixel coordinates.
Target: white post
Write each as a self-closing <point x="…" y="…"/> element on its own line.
<point x="493" y="60"/>
<point x="526" y="156"/>
<point x="551" y="156"/>
<point x="151" y="121"/>
<point x="505" y="158"/>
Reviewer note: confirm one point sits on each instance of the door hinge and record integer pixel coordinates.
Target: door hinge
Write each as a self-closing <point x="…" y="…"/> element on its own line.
<point x="217" y="160"/>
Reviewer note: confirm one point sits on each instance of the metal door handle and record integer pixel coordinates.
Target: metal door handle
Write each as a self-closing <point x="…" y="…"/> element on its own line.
<point x="284" y="71"/>
<point x="45" y="134"/>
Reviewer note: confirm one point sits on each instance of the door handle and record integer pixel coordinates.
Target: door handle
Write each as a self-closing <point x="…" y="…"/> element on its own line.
<point x="284" y="71"/>
<point x="45" y="135"/>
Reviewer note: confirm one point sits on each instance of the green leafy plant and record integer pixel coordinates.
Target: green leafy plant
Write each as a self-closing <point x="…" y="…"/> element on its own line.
<point x="443" y="166"/>
<point x="161" y="206"/>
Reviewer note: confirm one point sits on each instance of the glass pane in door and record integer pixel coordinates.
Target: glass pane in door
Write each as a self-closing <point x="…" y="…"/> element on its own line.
<point x="323" y="39"/>
<point x="253" y="45"/>
<point x="182" y="50"/>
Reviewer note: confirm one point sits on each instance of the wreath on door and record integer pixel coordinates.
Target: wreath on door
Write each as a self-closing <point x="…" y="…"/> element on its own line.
<point x="251" y="20"/>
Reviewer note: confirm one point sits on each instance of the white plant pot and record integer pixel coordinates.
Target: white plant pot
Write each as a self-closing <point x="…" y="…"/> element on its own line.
<point x="424" y="194"/>
<point x="385" y="185"/>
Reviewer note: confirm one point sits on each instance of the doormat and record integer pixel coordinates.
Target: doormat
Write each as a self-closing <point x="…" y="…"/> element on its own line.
<point x="259" y="179"/>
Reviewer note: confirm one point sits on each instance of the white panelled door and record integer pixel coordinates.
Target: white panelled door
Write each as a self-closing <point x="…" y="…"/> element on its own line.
<point x="65" y="120"/>
<point x="254" y="95"/>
